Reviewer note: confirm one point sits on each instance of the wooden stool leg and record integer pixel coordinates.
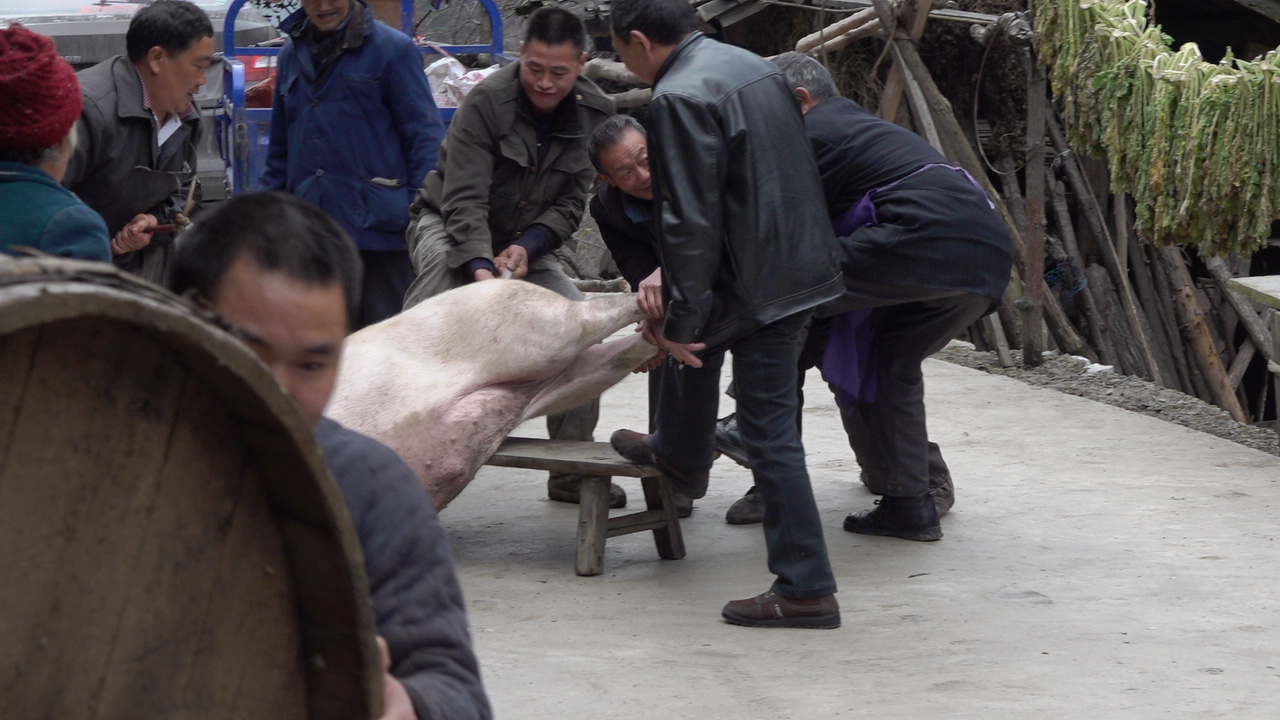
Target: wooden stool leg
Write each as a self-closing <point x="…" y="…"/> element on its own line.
<point x="593" y="524"/>
<point x="669" y="539"/>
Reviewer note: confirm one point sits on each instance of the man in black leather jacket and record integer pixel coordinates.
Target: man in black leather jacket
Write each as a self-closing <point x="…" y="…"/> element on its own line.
<point x="747" y="252"/>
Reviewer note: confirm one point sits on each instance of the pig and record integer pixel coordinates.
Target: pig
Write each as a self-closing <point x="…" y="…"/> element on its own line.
<point x="444" y="382"/>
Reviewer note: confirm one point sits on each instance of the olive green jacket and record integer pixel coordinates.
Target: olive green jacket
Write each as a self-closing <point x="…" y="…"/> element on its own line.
<point x="488" y="185"/>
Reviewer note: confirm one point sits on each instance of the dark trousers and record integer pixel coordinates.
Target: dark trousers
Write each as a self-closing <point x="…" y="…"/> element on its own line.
<point x="889" y="435"/>
<point x="387" y="275"/>
<point x="764" y="369"/>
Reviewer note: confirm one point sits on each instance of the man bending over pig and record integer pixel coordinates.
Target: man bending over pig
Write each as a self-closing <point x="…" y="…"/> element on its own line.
<point x="511" y="186"/>
<point x="288" y="278"/>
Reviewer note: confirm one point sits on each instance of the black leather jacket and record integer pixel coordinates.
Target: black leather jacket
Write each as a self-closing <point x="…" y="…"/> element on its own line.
<point x="743" y="228"/>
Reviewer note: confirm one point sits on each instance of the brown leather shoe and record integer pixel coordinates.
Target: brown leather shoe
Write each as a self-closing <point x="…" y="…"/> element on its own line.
<point x="638" y="448"/>
<point x="771" y="610"/>
<point x="566" y="487"/>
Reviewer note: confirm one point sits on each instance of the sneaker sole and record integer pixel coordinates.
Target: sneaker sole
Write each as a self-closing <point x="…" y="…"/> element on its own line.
<point x="815" y="622"/>
<point x="926" y="535"/>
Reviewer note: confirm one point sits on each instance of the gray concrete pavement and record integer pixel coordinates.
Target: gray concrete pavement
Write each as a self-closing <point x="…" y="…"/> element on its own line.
<point x="1097" y="564"/>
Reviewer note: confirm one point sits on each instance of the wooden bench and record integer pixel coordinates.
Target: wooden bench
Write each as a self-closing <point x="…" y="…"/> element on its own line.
<point x="1265" y="290"/>
<point x="598" y="464"/>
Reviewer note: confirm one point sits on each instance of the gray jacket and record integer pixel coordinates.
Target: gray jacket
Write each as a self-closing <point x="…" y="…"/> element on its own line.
<point x="416" y="595"/>
<point x="117" y="169"/>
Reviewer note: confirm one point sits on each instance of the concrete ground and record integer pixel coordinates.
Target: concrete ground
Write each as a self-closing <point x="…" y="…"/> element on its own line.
<point x="1097" y="564"/>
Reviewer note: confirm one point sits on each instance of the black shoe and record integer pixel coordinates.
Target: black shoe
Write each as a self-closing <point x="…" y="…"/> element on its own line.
<point x="637" y="448"/>
<point x="941" y="489"/>
<point x="729" y="440"/>
<point x="747" y="510"/>
<point x="913" y="518"/>
<point x="566" y="487"/>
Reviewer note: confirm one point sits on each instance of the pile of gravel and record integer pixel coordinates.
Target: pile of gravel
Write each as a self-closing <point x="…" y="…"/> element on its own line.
<point x="1068" y="374"/>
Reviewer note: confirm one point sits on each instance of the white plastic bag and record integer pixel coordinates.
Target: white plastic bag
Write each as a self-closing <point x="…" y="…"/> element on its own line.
<point x="440" y="74"/>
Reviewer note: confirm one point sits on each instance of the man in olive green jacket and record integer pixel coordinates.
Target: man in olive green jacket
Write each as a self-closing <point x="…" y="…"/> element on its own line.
<point x="511" y="186"/>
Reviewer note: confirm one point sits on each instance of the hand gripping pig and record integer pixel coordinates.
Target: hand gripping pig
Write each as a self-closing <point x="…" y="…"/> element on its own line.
<point x="445" y="381"/>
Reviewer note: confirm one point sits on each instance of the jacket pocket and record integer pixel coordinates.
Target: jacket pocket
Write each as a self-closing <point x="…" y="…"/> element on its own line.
<point x="360" y="95"/>
<point x="386" y="205"/>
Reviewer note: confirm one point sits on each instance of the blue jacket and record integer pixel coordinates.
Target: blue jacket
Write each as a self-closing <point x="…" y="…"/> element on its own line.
<point x="358" y="143"/>
<point x="37" y="212"/>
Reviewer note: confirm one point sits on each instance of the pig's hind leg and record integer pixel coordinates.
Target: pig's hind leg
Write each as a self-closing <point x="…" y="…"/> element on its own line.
<point x="595" y="370"/>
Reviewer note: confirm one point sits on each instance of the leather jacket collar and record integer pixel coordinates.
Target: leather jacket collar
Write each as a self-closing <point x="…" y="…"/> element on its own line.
<point x="683" y="47"/>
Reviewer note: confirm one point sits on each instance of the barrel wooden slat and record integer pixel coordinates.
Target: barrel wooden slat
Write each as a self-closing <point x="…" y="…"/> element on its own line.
<point x="171" y="544"/>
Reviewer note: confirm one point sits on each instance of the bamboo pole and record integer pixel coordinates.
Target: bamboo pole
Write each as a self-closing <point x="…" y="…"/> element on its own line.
<point x="1205" y="353"/>
<point x="821" y="41"/>
<point x="1110" y="257"/>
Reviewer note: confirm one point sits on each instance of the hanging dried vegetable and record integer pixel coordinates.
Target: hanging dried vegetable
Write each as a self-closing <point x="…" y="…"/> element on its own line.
<point x="1196" y="144"/>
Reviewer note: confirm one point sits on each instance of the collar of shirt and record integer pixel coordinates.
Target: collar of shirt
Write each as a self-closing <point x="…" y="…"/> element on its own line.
<point x="170" y="126"/>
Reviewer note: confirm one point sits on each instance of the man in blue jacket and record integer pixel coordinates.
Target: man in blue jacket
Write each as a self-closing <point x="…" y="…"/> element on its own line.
<point x="354" y="131"/>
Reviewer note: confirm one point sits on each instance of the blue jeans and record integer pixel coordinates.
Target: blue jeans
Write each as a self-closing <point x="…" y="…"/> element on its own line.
<point x="764" y="370"/>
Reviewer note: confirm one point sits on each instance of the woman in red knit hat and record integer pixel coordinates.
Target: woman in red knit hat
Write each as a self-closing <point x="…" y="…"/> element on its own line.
<point x="39" y="104"/>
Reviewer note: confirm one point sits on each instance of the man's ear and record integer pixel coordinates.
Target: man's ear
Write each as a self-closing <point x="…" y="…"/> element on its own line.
<point x="645" y="42"/>
<point x="606" y="178"/>
<point x="154" y="56"/>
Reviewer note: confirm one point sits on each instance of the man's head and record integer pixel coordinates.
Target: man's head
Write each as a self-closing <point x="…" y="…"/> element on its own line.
<point x="42" y="102"/>
<point x="285" y="274"/>
<point x="619" y="149"/>
<point x="646" y="31"/>
<point x="552" y="57"/>
<point x="809" y="80"/>
<point x="171" y="44"/>
<point x="326" y="15"/>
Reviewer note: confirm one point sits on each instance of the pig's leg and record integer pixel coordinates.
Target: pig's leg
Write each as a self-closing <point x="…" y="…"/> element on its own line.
<point x="595" y="370"/>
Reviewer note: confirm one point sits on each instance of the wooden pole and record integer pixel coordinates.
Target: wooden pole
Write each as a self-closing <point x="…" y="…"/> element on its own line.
<point x="1110" y="257"/>
<point x="1188" y="373"/>
<point x="821" y="41"/>
<point x="1167" y="347"/>
<point x="1033" y="307"/>
<point x="897" y="81"/>
<point x="1191" y="316"/>
<point x="1253" y="324"/>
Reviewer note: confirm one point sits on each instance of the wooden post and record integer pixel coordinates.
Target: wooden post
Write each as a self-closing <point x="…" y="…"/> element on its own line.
<point x="897" y="81"/>
<point x="1205" y="353"/>
<point x="1253" y="324"/>
<point x="1033" y="307"/>
<point x="1167" y="347"/>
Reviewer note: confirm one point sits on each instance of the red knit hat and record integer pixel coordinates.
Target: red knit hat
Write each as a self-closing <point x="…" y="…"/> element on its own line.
<point x="39" y="92"/>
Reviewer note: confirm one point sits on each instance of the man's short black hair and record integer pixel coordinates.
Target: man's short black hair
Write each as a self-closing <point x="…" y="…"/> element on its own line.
<point x="278" y="231"/>
<point x="803" y="71"/>
<point x="173" y="25"/>
<point x="609" y="133"/>
<point x="665" y="22"/>
<point x="556" y="26"/>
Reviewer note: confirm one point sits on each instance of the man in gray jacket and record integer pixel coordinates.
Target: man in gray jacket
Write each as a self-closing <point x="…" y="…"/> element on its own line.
<point x="135" y="163"/>
<point x="511" y="186"/>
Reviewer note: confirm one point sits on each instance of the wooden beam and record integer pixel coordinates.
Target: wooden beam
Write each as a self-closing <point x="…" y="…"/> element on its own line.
<point x="1033" y="308"/>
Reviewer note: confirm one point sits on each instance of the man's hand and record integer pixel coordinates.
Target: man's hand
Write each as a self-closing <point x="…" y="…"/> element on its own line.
<point x="396" y="704"/>
<point x="683" y="353"/>
<point x="651" y="363"/>
<point x="483" y="274"/>
<point x="515" y="259"/>
<point x="136" y="234"/>
<point x="649" y="295"/>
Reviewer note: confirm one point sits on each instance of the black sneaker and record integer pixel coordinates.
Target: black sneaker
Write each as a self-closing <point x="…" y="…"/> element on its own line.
<point x="914" y="518"/>
<point x="729" y="440"/>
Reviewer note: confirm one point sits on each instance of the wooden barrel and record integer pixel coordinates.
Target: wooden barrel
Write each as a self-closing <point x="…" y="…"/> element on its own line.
<point x="171" y="542"/>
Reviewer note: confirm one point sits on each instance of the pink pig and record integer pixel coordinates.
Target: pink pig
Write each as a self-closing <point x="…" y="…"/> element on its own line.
<point x="444" y="382"/>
